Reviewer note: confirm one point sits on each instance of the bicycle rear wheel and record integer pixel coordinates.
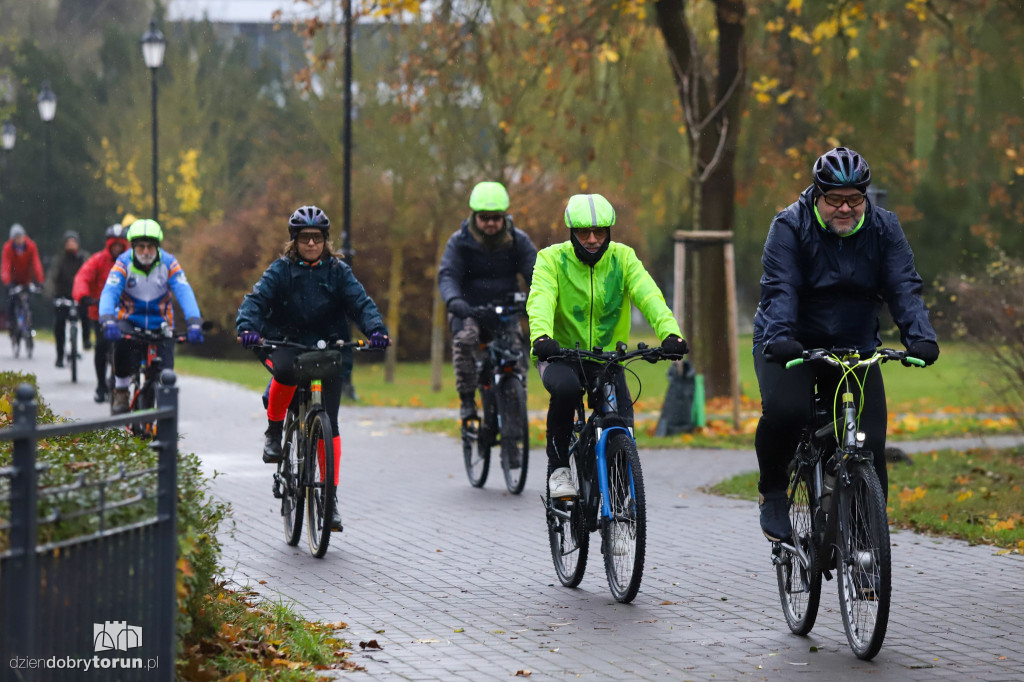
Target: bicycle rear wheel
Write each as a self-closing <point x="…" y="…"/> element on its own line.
<point x="515" y="433"/>
<point x="142" y="399"/>
<point x="289" y="482"/>
<point x="477" y="438"/>
<point x="568" y="534"/>
<point x="799" y="573"/>
<point x="624" y="535"/>
<point x="865" y="570"/>
<point x="319" y="482"/>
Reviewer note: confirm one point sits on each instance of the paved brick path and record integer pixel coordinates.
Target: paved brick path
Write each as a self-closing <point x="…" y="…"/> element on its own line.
<point x="457" y="583"/>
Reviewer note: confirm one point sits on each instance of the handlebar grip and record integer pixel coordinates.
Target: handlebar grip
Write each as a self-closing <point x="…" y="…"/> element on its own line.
<point x="793" y="363"/>
<point x="915" y="361"/>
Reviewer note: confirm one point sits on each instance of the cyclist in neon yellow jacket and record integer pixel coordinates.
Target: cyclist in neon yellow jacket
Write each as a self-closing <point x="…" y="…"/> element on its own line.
<point x="581" y="293"/>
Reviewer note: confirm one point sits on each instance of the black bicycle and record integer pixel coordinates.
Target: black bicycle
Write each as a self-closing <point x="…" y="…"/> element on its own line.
<point x="837" y="510"/>
<point x="71" y="333"/>
<point x="305" y="476"/>
<point x="606" y="471"/>
<point x="20" y="326"/>
<point x="146" y="377"/>
<point x="502" y="384"/>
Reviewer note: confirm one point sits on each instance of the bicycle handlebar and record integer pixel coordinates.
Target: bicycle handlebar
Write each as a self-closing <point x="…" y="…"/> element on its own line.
<point x="619" y="355"/>
<point x="848" y="357"/>
<point x="31" y="288"/>
<point x="358" y="344"/>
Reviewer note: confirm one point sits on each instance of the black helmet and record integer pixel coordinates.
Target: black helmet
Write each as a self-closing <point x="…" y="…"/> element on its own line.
<point x="841" y="167"/>
<point x="115" y="231"/>
<point x="308" y="216"/>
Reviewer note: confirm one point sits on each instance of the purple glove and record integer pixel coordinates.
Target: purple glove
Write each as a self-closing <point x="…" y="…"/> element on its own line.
<point x="111" y="332"/>
<point x="379" y="341"/>
<point x="249" y="339"/>
<point x="195" y="331"/>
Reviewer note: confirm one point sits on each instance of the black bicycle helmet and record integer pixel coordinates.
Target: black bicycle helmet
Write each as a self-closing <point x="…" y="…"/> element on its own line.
<point x="308" y="216"/>
<point x="841" y="167"/>
<point x="115" y="231"/>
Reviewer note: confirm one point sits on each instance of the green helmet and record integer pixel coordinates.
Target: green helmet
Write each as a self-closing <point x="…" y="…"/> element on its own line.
<point x="489" y="196"/>
<point x="145" y="229"/>
<point x="589" y="210"/>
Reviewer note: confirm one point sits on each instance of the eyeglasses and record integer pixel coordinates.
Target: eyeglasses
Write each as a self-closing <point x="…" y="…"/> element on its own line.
<point x="306" y="237"/>
<point x="490" y="217"/>
<point x="145" y="246"/>
<point x="837" y="200"/>
<point x="584" y="232"/>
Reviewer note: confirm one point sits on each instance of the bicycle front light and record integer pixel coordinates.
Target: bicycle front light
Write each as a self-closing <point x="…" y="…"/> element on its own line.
<point x="860" y="437"/>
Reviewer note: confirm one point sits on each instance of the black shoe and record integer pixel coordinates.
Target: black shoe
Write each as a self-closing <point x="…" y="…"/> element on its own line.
<point x="59" y="363"/>
<point x="775" y="522"/>
<point x="272" y="452"/>
<point x="87" y="344"/>
<point x="467" y="409"/>
<point x="100" y="396"/>
<point x="336" y="525"/>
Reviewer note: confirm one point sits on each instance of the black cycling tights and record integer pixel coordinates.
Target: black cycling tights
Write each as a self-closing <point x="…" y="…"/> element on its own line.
<point x="786" y="408"/>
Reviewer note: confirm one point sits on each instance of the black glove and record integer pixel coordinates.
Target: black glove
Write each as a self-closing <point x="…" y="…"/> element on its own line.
<point x="545" y="346"/>
<point x="923" y="350"/>
<point x="673" y="345"/>
<point x="783" y="351"/>
<point x="459" y="308"/>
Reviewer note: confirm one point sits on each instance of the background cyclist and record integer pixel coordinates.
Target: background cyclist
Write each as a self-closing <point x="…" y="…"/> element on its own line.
<point x="307" y="295"/>
<point x="89" y="284"/>
<point x="479" y="266"/>
<point x="830" y="260"/>
<point x="138" y="294"/>
<point x="581" y="292"/>
<point x="60" y="279"/>
<point x="19" y="265"/>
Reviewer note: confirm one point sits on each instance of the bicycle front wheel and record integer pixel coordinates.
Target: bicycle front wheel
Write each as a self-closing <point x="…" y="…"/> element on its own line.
<point x="73" y="355"/>
<point x="567" y="533"/>
<point x="799" y="573"/>
<point x="289" y="482"/>
<point x="477" y="436"/>
<point x="319" y="482"/>
<point x="143" y="398"/>
<point x="624" y="535"/>
<point x="515" y="433"/>
<point x="865" y="570"/>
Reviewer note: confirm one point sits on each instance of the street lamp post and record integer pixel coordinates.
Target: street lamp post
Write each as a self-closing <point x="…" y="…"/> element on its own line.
<point x="47" y="102"/>
<point x="8" y="133"/>
<point x="153" y="46"/>
<point x="347" y="389"/>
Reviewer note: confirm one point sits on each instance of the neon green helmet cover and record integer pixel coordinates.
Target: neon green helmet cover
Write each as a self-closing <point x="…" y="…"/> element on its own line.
<point x="588" y="210"/>
<point x="145" y="229"/>
<point x="489" y="196"/>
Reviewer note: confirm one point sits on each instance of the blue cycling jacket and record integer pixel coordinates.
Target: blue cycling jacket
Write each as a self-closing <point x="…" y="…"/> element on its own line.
<point x="145" y="299"/>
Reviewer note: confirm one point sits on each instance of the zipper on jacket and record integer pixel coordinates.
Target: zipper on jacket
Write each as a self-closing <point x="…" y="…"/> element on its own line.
<point x="591" y="347"/>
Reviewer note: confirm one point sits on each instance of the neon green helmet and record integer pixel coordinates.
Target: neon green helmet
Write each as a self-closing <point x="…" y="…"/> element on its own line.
<point x="145" y="229"/>
<point x="588" y="210"/>
<point x="489" y="196"/>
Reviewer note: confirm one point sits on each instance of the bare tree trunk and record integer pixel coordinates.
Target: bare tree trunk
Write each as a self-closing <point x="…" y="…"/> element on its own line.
<point x="437" y="324"/>
<point x="394" y="309"/>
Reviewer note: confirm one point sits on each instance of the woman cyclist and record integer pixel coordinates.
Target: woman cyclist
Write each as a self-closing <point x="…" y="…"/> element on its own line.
<point x="306" y="295"/>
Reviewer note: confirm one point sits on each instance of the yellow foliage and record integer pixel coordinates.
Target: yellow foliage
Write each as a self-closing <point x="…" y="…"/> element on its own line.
<point x="966" y="495"/>
<point x="798" y="33"/>
<point x="853" y="53"/>
<point x="607" y="54"/>
<point x="775" y="25"/>
<point x="764" y="84"/>
<point x="825" y="30"/>
<point x="908" y="496"/>
<point x="914" y="62"/>
<point x="918" y="7"/>
<point x="188" y="192"/>
<point x="784" y="97"/>
<point x="795" y="6"/>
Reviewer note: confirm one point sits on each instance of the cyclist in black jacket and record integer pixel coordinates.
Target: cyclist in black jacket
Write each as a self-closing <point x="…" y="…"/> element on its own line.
<point x="479" y="267"/>
<point x="830" y="261"/>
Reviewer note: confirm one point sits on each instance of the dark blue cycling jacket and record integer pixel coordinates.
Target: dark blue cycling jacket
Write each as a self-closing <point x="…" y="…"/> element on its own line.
<point x="304" y="303"/>
<point x="826" y="291"/>
<point x="471" y="272"/>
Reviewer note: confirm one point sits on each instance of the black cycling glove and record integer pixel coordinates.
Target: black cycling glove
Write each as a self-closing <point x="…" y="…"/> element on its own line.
<point x="459" y="308"/>
<point x="783" y="351"/>
<point x="923" y="350"/>
<point x="674" y="345"/>
<point x="545" y="346"/>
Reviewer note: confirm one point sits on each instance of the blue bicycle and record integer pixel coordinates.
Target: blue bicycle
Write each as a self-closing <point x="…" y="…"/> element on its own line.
<point x="606" y="471"/>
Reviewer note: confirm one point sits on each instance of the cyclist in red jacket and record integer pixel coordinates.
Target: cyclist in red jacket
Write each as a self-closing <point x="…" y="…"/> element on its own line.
<point x="89" y="284"/>
<point x="19" y="263"/>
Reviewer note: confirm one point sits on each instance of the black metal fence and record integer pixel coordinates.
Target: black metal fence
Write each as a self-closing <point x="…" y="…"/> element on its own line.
<point x="101" y="605"/>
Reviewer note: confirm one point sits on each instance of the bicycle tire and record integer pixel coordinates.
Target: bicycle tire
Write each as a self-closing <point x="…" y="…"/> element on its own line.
<point x="73" y="356"/>
<point x="16" y="344"/>
<point x="289" y="471"/>
<point x="477" y="435"/>
<point x="136" y="402"/>
<point x="568" y="534"/>
<point x="865" y="567"/>
<point x="800" y="579"/>
<point x="515" y="433"/>
<point x="319" y="482"/>
<point x="624" y="535"/>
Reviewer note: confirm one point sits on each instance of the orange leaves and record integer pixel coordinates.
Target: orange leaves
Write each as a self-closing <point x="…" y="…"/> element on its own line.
<point x="909" y="496"/>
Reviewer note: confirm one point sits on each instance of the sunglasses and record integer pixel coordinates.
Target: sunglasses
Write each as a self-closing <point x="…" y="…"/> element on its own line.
<point x="306" y="237"/>
<point x="837" y="200"/>
<point x="490" y="217"/>
<point x="584" y="232"/>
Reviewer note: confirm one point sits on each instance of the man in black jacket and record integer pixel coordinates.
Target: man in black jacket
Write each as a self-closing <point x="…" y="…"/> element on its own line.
<point x="479" y="267"/>
<point x="60" y="280"/>
<point x="831" y="259"/>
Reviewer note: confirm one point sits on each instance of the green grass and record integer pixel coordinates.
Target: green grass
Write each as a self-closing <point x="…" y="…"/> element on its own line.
<point x="975" y="495"/>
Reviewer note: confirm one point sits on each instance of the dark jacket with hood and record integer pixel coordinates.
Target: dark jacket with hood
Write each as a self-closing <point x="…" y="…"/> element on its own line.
<point x="472" y="271"/>
<point x="305" y="303"/>
<point x="826" y="291"/>
<point x="92" y="276"/>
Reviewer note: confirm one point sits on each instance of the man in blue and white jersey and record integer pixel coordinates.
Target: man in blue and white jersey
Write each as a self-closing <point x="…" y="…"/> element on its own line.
<point x="138" y="294"/>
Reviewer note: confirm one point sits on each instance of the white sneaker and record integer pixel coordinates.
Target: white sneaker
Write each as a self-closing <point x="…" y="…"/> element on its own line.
<point x="620" y="546"/>
<point x="560" y="483"/>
